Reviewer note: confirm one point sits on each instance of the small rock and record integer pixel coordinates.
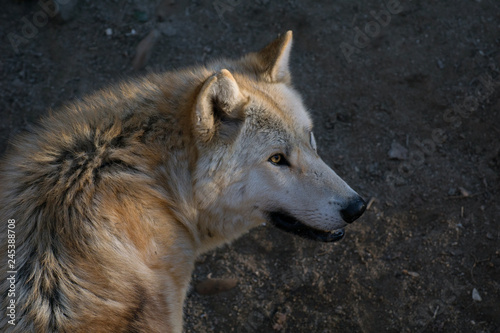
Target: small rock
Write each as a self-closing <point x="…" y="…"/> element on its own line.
<point x="215" y="286"/>
<point x="398" y="152"/>
<point x="440" y="63"/>
<point x="131" y="33"/>
<point x="464" y="192"/>
<point x="109" y="32"/>
<point x="410" y="273"/>
<point x="475" y="295"/>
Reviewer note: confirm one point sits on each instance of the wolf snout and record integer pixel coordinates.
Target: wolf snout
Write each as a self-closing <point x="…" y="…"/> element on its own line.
<point x="354" y="209"/>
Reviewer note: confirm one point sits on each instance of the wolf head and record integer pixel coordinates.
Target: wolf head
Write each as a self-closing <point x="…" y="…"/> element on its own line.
<point x="257" y="157"/>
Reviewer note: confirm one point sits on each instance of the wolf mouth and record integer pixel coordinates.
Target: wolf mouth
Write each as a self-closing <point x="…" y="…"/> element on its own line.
<point x="290" y="224"/>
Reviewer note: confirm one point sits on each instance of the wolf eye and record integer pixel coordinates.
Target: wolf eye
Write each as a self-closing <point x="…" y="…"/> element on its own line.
<point x="278" y="159"/>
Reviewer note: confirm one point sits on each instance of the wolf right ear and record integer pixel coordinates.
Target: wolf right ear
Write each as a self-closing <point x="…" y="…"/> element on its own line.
<point x="272" y="61"/>
<point x="219" y="108"/>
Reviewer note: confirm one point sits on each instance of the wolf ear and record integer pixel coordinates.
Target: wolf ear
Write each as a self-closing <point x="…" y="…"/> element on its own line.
<point x="274" y="58"/>
<point x="219" y="108"/>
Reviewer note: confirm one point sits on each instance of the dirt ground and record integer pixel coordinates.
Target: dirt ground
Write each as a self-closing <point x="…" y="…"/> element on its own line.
<point x="407" y="111"/>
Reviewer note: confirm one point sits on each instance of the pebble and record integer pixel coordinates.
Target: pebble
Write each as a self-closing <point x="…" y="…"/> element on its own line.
<point x="109" y="32"/>
<point x="215" y="286"/>
<point x="475" y="295"/>
<point x="412" y="274"/>
<point x="398" y="152"/>
<point x="464" y="192"/>
<point x="440" y="63"/>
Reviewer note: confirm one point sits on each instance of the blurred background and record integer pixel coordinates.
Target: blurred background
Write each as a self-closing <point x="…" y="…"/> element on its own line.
<point x="405" y="96"/>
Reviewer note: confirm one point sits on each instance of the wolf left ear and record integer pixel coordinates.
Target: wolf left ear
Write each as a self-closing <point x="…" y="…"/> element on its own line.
<point x="274" y="58"/>
<point x="219" y="107"/>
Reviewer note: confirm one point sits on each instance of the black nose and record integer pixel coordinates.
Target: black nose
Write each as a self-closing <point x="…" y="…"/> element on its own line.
<point x="354" y="209"/>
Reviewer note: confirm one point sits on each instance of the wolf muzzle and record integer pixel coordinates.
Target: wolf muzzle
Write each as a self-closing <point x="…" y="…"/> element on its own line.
<point x="288" y="223"/>
<point x="284" y="221"/>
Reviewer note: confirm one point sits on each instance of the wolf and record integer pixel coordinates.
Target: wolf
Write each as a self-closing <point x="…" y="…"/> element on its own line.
<point x="111" y="198"/>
